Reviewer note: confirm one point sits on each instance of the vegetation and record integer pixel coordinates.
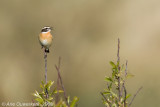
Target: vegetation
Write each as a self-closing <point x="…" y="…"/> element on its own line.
<point x="115" y="95"/>
<point x="52" y="98"/>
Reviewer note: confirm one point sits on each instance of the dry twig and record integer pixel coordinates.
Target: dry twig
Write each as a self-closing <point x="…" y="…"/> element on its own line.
<point x="45" y="60"/>
<point x="119" y="79"/>
<point x="135" y="96"/>
<point x="58" y="82"/>
<point x="125" y="91"/>
<point x="105" y="99"/>
<point x="59" y="76"/>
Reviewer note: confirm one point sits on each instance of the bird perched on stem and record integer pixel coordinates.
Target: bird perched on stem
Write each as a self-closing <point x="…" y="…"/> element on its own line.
<point x="46" y="38"/>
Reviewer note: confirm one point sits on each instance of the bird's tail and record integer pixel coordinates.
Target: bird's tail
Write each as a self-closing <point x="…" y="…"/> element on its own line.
<point x="47" y="50"/>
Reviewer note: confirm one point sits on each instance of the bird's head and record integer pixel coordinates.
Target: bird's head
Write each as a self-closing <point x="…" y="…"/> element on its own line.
<point x="46" y="29"/>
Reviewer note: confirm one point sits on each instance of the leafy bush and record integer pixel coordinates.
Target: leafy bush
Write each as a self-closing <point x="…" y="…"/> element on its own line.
<point x="52" y="98"/>
<point x="115" y="95"/>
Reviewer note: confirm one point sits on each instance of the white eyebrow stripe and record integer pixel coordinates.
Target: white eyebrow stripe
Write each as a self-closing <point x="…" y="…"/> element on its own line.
<point x="45" y="27"/>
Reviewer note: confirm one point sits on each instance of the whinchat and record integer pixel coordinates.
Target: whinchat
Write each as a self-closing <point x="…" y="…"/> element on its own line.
<point x="46" y="38"/>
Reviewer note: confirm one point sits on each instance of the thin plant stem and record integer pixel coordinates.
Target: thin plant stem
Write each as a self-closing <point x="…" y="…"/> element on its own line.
<point x="105" y="99"/>
<point x="123" y="85"/>
<point x="135" y="96"/>
<point x="65" y="95"/>
<point x="119" y="79"/>
<point x="58" y="82"/>
<point x="118" y="58"/>
<point x="125" y="94"/>
<point x="45" y="60"/>
<point x="126" y="68"/>
<point x="58" y="88"/>
<point x="125" y="91"/>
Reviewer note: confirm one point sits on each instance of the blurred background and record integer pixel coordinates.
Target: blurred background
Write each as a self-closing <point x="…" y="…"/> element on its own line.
<point x="85" y="36"/>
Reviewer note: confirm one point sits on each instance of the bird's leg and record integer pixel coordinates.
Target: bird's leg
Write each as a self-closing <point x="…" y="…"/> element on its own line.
<point x="45" y="54"/>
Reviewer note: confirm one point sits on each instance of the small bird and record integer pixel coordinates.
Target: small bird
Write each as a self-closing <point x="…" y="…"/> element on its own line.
<point x="46" y="38"/>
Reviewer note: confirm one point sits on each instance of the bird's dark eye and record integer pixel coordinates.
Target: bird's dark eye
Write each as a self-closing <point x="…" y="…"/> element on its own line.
<point x="44" y="30"/>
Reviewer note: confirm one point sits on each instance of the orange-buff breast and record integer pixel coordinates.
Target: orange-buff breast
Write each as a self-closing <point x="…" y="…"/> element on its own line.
<point x="45" y="39"/>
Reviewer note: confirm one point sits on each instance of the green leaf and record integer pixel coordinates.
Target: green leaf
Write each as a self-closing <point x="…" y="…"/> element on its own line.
<point x="114" y="105"/>
<point x="36" y="94"/>
<point x="113" y="74"/>
<point x="50" y="98"/>
<point x="128" y="95"/>
<point x="106" y="104"/>
<point x="112" y="64"/>
<point x="108" y="79"/>
<point x="116" y="83"/>
<point x="74" y="101"/>
<point x="60" y="91"/>
<point x="48" y="85"/>
<point x="42" y="82"/>
<point x="118" y="75"/>
<point x="41" y="101"/>
<point x="54" y="91"/>
<point x="61" y="104"/>
<point x="41" y="86"/>
<point x="106" y="92"/>
<point x="115" y="95"/>
<point x="68" y="99"/>
<point x="129" y="75"/>
<point x="110" y="86"/>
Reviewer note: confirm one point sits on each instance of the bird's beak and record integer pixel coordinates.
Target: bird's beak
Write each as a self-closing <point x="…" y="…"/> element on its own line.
<point x="51" y="28"/>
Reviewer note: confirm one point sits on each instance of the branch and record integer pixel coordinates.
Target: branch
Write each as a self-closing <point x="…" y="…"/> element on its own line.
<point x="119" y="79"/>
<point x="125" y="94"/>
<point x="45" y="60"/>
<point x="118" y="58"/>
<point x="123" y="85"/>
<point x="135" y="96"/>
<point x="105" y="99"/>
<point x="58" y="83"/>
<point x="59" y="75"/>
<point x="126" y="68"/>
<point x="125" y="91"/>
